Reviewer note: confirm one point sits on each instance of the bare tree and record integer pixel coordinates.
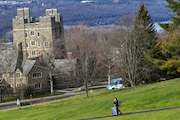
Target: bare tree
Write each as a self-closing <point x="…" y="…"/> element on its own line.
<point x="129" y="50"/>
<point x="83" y="42"/>
<point x="132" y="50"/>
<point x="108" y="49"/>
<point x="8" y="64"/>
<point x="51" y="52"/>
<point x="21" y="91"/>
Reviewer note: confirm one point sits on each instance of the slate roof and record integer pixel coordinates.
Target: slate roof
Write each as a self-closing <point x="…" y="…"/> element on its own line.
<point x="8" y="60"/>
<point x="64" y="64"/>
<point x="27" y="66"/>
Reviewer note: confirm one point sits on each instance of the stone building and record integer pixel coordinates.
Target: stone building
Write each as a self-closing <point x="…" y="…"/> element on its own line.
<point x="21" y="74"/>
<point x="35" y="41"/>
<point x="26" y="76"/>
<point x="43" y="35"/>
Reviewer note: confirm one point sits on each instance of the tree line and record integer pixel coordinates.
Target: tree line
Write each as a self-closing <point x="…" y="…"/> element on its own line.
<point x="132" y="50"/>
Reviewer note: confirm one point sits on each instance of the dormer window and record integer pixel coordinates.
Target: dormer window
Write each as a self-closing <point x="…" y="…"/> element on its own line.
<point x="11" y="75"/>
<point x="17" y="75"/>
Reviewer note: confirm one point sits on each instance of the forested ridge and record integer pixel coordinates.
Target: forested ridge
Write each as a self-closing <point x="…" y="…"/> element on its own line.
<point x="94" y="13"/>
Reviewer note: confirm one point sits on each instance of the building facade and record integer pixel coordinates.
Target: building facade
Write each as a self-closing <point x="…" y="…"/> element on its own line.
<point x="20" y="74"/>
<point x="43" y="35"/>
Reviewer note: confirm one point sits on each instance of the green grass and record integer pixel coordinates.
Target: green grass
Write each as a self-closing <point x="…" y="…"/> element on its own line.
<point x="10" y="99"/>
<point x="153" y="96"/>
<point x="161" y="115"/>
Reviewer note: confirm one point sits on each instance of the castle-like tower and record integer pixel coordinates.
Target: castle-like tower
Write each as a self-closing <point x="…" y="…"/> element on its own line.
<point x="43" y="35"/>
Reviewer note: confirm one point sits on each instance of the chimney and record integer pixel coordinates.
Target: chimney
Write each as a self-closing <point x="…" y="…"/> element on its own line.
<point x="69" y="55"/>
<point x="20" y="46"/>
<point x="41" y="58"/>
<point x="20" y="52"/>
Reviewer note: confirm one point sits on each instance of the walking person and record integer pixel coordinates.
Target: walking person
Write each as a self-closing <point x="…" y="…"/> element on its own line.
<point x="117" y="104"/>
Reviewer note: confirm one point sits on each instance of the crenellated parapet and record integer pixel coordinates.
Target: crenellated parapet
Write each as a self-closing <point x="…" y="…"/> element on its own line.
<point x="23" y="18"/>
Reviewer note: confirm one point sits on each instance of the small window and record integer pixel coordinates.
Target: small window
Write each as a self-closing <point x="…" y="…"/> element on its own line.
<point x="32" y="32"/>
<point x="28" y="54"/>
<point x="37" y="75"/>
<point x="18" y="85"/>
<point x="27" y="45"/>
<point x="37" y="85"/>
<point x="39" y="44"/>
<point x="11" y="75"/>
<point x="2" y="87"/>
<point x="33" y="43"/>
<point x="17" y="75"/>
<point x="46" y="44"/>
<point x="26" y="35"/>
<point x="38" y="34"/>
<point x="33" y="53"/>
<point x="25" y="20"/>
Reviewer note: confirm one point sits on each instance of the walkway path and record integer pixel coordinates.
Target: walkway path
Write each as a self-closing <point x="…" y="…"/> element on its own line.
<point x="7" y="105"/>
<point x="132" y="113"/>
<point x="66" y="93"/>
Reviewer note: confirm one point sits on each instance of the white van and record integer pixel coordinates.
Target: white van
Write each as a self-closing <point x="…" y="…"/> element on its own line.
<point x="115" y="84"/>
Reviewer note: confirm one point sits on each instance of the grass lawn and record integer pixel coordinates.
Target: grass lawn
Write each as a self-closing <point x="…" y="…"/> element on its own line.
<point x="161" y="115"/>
<point x="153" y="96"/>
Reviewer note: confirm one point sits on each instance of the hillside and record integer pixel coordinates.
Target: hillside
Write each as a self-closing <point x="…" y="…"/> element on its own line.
<point x="93" y="13"/>
<point x="153" y="96"/>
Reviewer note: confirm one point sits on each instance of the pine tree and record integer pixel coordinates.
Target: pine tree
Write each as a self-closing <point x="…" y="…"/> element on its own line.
<point x="147" y="38"/>
<point x="139" y="41"/>
<point x="144" y="23"/>
<point x="170" y="50"/>
<point x="170" y="45"/>
<point x="174" y="5"/>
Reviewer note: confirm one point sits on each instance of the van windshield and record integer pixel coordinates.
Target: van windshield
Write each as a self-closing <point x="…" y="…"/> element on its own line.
<point x="115" y="82"/>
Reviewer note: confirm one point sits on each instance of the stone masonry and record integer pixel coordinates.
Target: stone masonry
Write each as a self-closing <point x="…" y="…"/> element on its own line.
<point x="43" y="35"/>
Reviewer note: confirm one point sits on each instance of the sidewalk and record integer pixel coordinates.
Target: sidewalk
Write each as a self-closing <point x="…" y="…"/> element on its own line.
<point x="42" y="99"/>
<point x="67" y="93"/>
<point x="132" y="113"/>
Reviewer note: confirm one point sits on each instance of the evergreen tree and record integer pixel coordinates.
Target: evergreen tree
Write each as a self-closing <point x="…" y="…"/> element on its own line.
<point x="147" y="38"/>
<point x="140" y="38"/>
<point x="170" y="45"/>
<point x="174" y="5"/>
<point x="145" y="24"/>
<point x="170" y="50"/>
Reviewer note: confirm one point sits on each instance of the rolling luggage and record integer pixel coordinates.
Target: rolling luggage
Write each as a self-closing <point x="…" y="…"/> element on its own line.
<point x="114" y="111"/>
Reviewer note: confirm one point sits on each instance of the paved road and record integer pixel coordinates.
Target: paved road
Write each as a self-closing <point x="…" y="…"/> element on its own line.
<point x="67" y="93"/>
<point x="9" y="105"/>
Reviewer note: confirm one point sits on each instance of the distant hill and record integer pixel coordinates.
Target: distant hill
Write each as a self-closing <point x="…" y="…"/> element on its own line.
<point x="91" y="12"/>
